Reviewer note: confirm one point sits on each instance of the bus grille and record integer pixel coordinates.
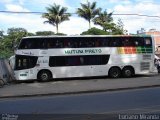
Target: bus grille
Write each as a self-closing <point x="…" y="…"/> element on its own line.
<point x="144" y="66"/>
<point x="147" y="57"/>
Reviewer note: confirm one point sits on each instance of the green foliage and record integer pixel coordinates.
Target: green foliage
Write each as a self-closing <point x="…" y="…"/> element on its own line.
<point x="15" y="35"/>
<point x="6" y="53"/>
<point x="88" y="11"/>
<point x="112" y="29"/>
<point x="10" y="41"/>
<point x="60" y="34"/>
<point x="1" y="34"/>
<point x="5" y="48"/>
<point x="120" y="27"/>
<point x="94" y="31"/>
<point x="30" y="34"/>
<point x="56" y="15"/>
<point x="103" y="19"/>
<point x="44" y="33"/>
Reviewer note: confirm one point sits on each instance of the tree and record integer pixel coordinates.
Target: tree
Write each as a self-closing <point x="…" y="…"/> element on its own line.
<point x="1" y="34"/>
<point x="103" y="19"/>
<point x="12" y="39"/>
<point x="15" y="35"/>
<point x="43" y="33"/>
<point x="120" y="27"/>
<point x="5" y="47"/>
<point x="94" y="31"/>
<point x="88" y="11"/>
<point x="56" y="15"/>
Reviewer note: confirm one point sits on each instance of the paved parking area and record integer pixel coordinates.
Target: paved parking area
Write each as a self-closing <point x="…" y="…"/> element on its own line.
<point x="80" y="85"/>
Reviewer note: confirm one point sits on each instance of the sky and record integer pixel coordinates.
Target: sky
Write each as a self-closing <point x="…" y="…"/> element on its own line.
<point x="76" y="25"/>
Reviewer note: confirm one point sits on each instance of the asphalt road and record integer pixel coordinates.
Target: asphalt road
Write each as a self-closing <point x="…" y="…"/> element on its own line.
<point x="126" y="101"/>
<point x="92" y="106"/>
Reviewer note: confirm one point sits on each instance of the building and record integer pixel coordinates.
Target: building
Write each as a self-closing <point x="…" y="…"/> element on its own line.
<point x="156" y="35"/>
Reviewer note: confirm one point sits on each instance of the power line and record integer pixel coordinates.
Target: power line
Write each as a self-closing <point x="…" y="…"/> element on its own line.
<point x="14" y="12"/>
<point x="129" y="14"/>
<point x="138" y="15"/>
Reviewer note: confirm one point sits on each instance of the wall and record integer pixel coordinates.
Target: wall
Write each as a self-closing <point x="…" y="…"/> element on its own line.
<point x="6" y="73"/>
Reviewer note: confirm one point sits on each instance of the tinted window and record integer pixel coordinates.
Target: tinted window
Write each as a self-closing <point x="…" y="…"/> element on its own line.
<point x="83" y="42"/>
<point x="76" y="42"/>
<point x="25" y="62"/>
<point x="78" y="60"/>
<point x="147" y="41"/>
<point x="32" y="43"/>
<point x="138" y="41"/>
<point x="128" y="41"/>
<point x="114" y="41"/>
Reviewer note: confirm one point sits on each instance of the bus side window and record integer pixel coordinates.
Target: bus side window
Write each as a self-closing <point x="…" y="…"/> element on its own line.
<point x="81" y="44"/>
<point x="90" y="43"/>
<point x="125" y="42"/>
<point x="104" y="43"/>
<point x="138" y="41"/>
<point x="37" y="44"/>
<point x="74" y="44"/>
<point x="147" y="42"/>
<point x="97" y="43"/>
<point x="51" y="44"/>
<point x="65" y="43"/>
<point x="128" y="42"/>
<point x="58" y="44"/>
<point x="23" y="44"/>
<point x="114" y="42"/>
<point x="70" y="44"/>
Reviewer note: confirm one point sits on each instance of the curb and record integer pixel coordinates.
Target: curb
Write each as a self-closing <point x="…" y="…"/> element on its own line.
<point x="78" y="92"/>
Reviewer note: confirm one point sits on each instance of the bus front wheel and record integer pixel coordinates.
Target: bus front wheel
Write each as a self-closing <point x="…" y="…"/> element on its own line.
<point x="44" y="75"/>
<point x="115" y="72"/>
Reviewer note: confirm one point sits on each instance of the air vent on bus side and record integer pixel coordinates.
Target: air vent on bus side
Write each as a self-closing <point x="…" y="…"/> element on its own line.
<point x="144" y="66"/>
<point x="147" y="57"/>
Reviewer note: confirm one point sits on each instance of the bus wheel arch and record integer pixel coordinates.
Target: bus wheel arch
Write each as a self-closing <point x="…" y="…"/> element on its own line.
<point x="128" y="71"/>
<point x="44" y="75"/>
<point x="114" y="72"/>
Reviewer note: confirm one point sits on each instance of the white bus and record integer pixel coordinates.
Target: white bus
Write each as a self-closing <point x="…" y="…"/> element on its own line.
<point x="51" y="57"/>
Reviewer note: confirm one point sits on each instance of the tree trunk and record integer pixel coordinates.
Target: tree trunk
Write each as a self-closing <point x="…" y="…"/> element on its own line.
<point x="57" y="28"/>
<point x="89" y="24"/>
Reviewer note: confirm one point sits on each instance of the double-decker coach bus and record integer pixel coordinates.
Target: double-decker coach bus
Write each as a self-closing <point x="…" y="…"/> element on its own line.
<point x="44" y="58"/>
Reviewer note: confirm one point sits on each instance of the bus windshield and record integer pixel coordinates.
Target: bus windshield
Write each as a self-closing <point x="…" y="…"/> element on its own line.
<point x="25" y="62"/>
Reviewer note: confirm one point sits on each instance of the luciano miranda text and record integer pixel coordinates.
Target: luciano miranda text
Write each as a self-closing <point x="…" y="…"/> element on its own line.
<point x="139" y="116"/>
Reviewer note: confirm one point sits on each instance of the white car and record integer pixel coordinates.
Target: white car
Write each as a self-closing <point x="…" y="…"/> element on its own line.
<point x="157" y="63"/>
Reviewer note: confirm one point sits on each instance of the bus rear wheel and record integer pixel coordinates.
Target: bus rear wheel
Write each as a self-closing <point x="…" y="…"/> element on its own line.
<point x="44" y="75"/>
<point x="128" y="72"/>
<point x="115" y="72"/>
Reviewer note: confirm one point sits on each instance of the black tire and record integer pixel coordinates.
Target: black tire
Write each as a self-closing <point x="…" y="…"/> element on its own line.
<point x="44" y="75"/>
<point x="128" y="72"/>
<point x="115" y="72"/>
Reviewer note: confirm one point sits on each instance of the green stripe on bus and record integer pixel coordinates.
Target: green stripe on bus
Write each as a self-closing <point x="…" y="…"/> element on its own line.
<point x="138" y="49"/>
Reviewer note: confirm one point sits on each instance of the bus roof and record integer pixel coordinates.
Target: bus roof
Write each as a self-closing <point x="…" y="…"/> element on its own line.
<point x="54" y="36"/>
